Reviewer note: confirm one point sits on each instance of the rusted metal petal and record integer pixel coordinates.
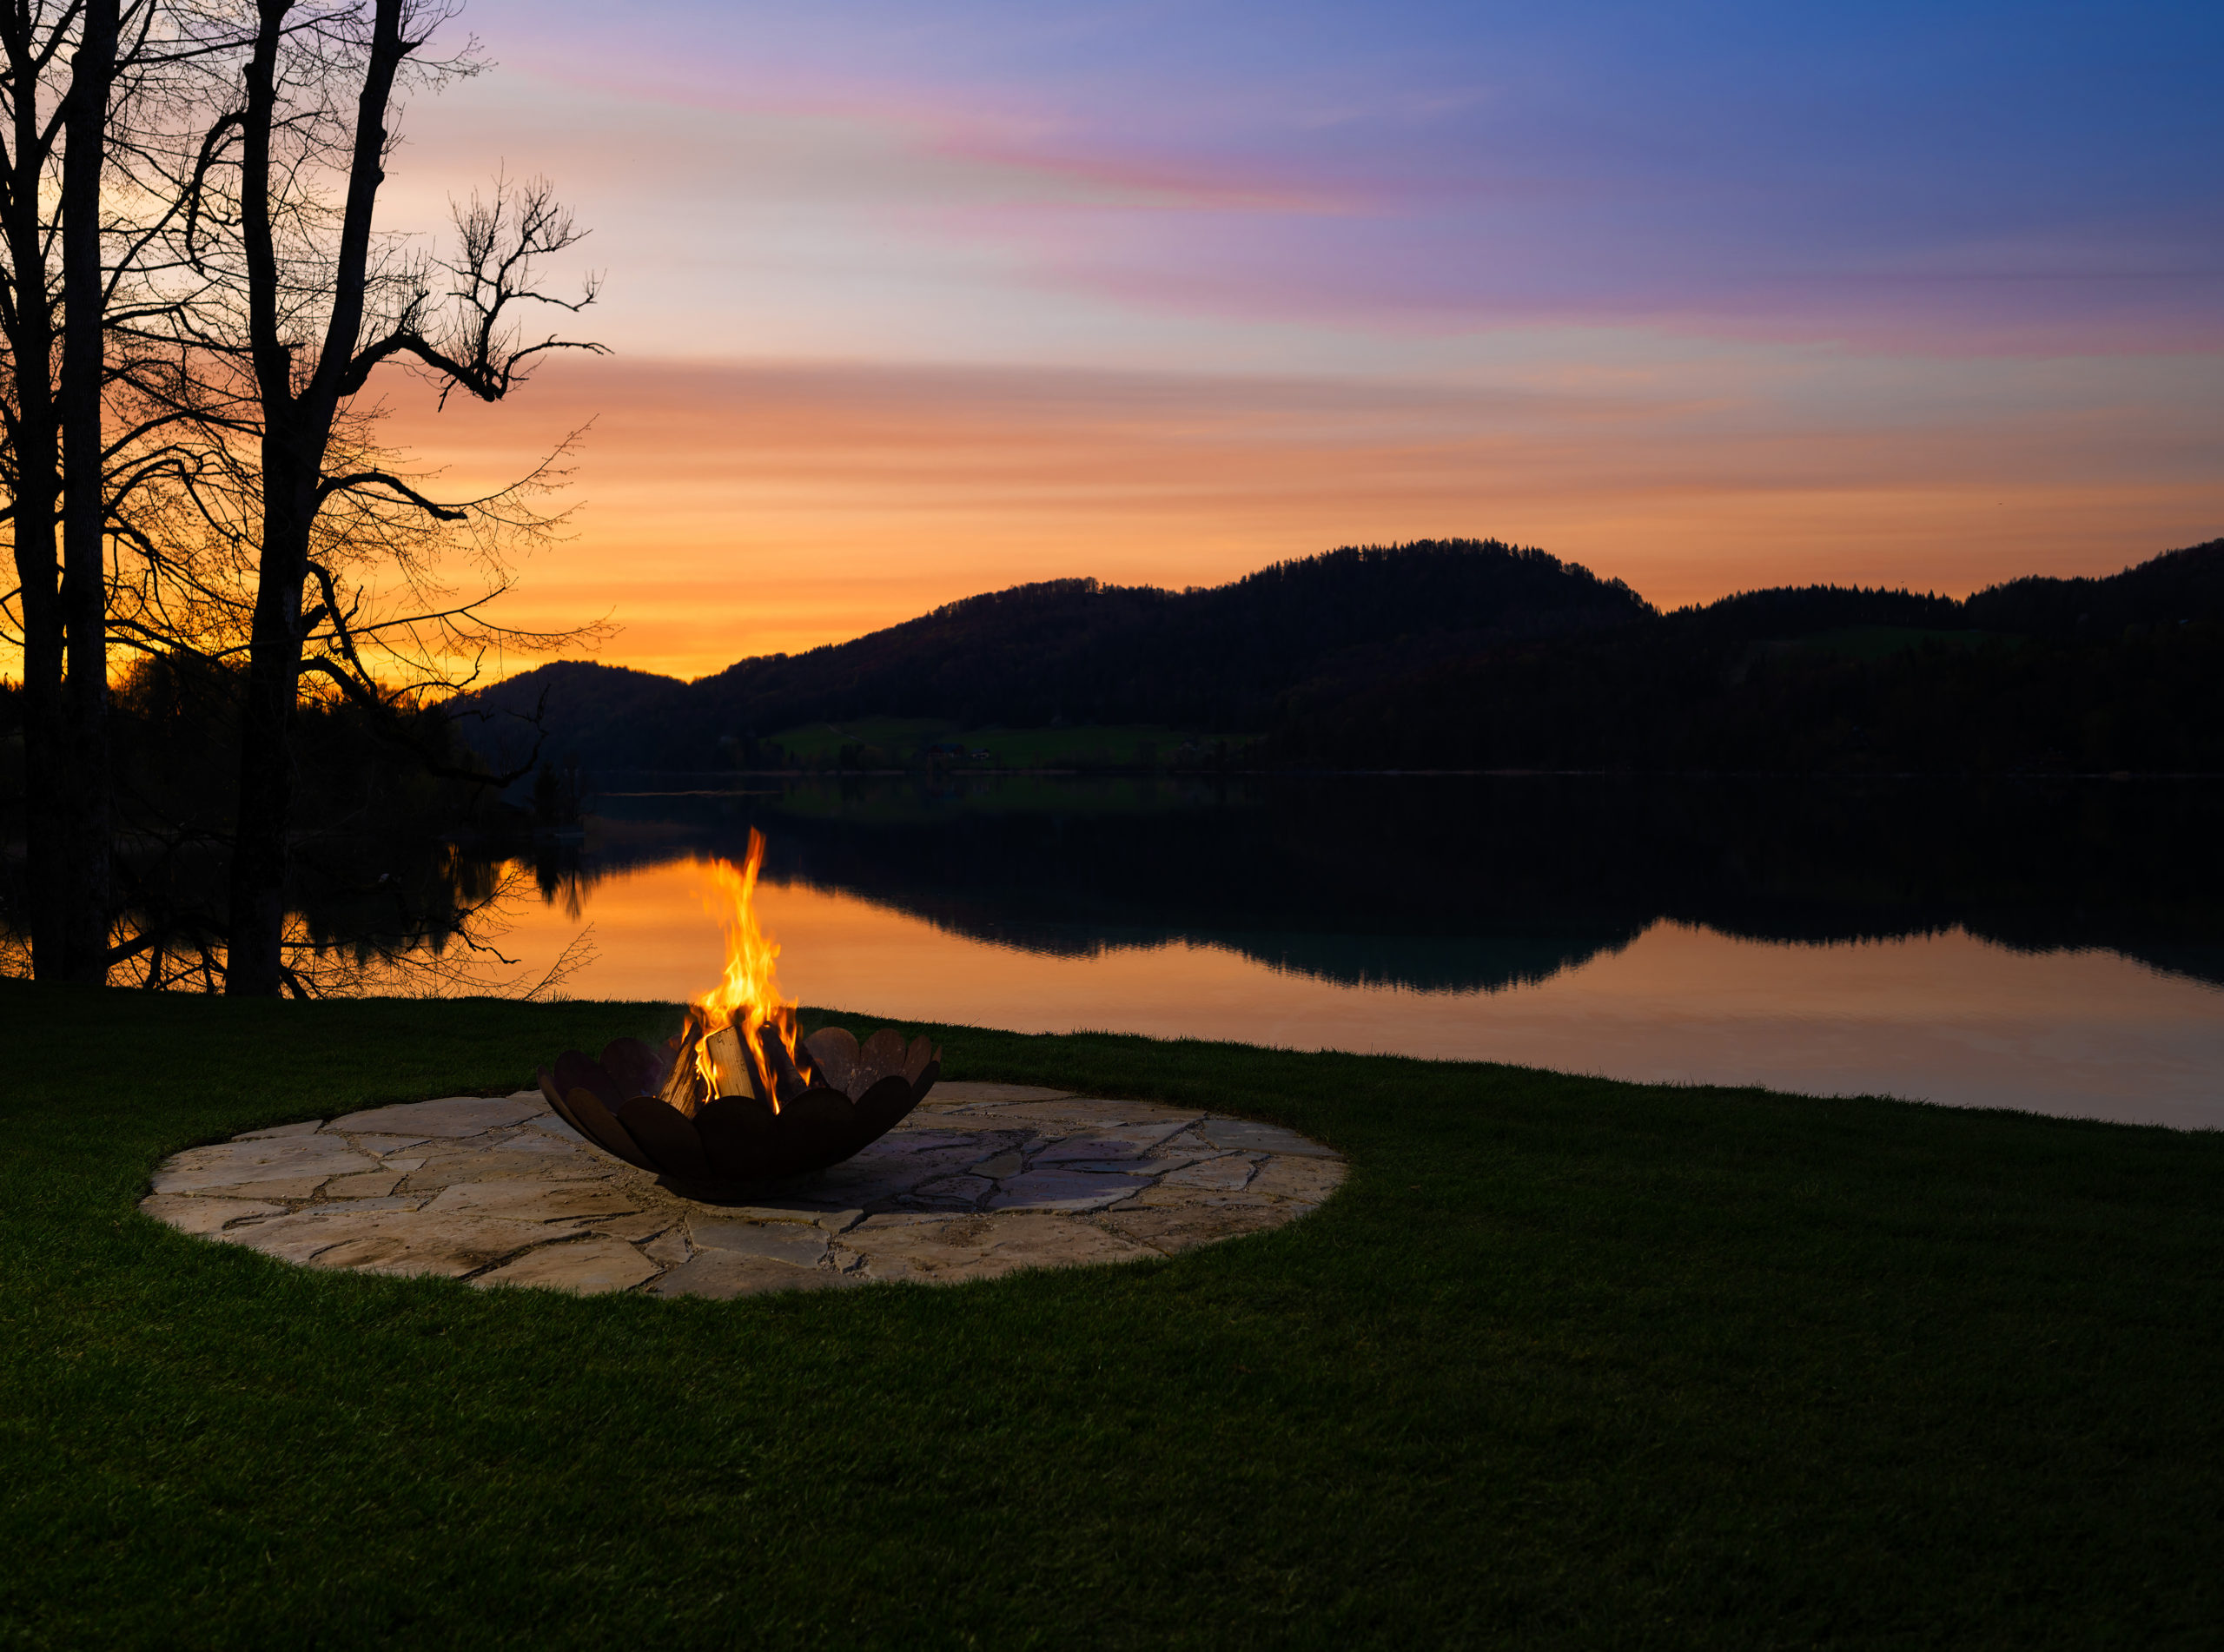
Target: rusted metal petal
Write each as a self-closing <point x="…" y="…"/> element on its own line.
<point x="916" y="1058"/>
<point x="636" y="1066"/>
<point x="926" y="1079"/>
<point x="556" y="1102"/>
<point x="600" y="1126"/>
<point x="741" y="1138"/>
<point x="834" y="1053"/>
<point x="818" y="1127"/>
<point x="883" y="1053"/>
<point x="669" y="1140"/>
<point x="578" y="1072"/>
<point x="878" y="1108"/>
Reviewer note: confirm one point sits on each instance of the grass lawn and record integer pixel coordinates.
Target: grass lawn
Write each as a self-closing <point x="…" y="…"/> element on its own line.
<point x="1566" y="1362"/>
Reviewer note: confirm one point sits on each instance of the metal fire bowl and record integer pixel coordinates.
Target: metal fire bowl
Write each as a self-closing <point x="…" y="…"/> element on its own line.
<point x="856" y="1095"/>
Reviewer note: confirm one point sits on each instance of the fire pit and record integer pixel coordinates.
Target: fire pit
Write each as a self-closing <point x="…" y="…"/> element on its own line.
<point x="736" y="1097"/>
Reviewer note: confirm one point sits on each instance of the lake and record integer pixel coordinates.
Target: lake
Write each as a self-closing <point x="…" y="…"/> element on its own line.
<point x="2052" y="946"/>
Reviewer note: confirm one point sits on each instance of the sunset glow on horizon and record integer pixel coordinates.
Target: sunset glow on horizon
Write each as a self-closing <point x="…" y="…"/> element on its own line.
<point x="905" y="308"/>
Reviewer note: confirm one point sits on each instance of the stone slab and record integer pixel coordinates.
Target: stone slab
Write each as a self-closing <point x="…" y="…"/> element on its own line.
<point x="534" y="1201"/>
<point x="1307" y="1179"/>
<point x="789" y="1243"/>
<point x="278" y="1187"/>
<point x="585" y="1267"/>
<point x="634" y="1229"/>
<point x="1229" y="1173"/>
<point x="949" y="1093"/>
<point x="1106" y="1141"/>
<point x="439" y="1169"/>
<point x="549" y="1124"/>
<point x="454" y="1115"/>
<point x="1062" y="1190"/>
<point x="983" y="1247"/>
<point x="384" y="1145"/>
<point x="724" y="1274"/>
<point x="404" y="1242"/>
<point x="399" y="1202"/>
<point x="277" y="1130"/>
<point x="953" y="1193"/>
<point x="882" y="1179"/>
<point x="900" y="1141"/>
<point x="192" y="1213"/>
<point x="1183" y="1228"/>
<point x="235" y="1164"/>
<point x="375" y="1183"/>
<point x="1247" y="1136"/>
<point x="808" y="1215"/>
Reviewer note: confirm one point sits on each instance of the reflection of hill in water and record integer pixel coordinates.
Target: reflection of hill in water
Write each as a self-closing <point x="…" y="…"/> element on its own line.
<point x="1462" y="883"/>
<point x="1417" y="963"/>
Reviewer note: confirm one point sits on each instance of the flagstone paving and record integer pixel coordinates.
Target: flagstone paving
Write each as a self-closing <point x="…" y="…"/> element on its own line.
<point x="979" y="1181"/>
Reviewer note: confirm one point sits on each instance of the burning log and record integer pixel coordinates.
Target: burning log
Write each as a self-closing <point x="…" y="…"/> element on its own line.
<point x="731" y="1071"/>
<point x="788" y="1082"/>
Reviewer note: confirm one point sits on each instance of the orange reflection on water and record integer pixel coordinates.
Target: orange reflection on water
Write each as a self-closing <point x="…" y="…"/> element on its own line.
<point x="1944" y="1018"/>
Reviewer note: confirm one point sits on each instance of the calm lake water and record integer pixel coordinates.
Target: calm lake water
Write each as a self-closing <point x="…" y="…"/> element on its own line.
<point x="2055" y="947"/>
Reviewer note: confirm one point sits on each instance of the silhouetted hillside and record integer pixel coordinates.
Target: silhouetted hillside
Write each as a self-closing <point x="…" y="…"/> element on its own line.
<point x="1075" y="651"/>
<point x="2036" y="676"/>
<point x="1468" y="654"/>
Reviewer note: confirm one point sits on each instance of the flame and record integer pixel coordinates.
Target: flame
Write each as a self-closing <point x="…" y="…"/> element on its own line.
<point x="748" y="997"/>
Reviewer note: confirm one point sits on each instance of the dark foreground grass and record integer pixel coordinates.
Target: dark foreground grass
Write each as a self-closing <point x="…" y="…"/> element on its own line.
<point x="1566" y="1362"/>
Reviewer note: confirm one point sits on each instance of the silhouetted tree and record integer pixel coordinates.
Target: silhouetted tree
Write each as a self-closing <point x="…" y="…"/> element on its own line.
<point x="62" y="67"/>
<point x="316" y="555"/>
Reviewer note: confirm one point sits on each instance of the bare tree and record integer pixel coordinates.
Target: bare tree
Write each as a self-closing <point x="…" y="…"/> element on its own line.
<point x="307" y="302"/>
<point x="96" y="96"/>
<point x="53" y="321"/>
<point x="195" y="301"/>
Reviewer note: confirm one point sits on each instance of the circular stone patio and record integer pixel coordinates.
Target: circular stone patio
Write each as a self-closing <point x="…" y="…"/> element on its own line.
<point x="979" y="1179"/>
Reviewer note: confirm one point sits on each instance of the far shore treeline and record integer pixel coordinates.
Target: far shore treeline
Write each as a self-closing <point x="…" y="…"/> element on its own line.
<point x="1447" y="654"/>
<point x="406" y="836"/>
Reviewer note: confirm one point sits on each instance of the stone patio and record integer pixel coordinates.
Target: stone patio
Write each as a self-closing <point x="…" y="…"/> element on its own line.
<point x="979" y="1181"/>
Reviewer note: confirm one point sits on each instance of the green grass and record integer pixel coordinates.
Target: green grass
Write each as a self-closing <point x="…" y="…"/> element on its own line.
<point x="1566" y="1362"/>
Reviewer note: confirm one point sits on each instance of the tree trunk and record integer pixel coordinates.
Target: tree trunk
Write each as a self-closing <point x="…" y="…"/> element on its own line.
<point x="36" y="442"/>
<point x="84" y="800"/>
<point x="297" y="430"/>
<point x="261" y="833"/>
<point x="45" y="746"/>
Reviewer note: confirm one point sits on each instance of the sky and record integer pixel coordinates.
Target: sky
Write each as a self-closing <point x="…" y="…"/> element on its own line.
<point x="905" y="303"/>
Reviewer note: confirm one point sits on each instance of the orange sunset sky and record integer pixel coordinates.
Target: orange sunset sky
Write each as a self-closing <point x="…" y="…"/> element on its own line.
<point x="905" y="307"/>
<point x="731" y="510"/>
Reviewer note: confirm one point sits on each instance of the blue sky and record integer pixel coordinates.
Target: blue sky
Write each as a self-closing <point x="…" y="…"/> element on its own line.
<point x="1928" y="293"/>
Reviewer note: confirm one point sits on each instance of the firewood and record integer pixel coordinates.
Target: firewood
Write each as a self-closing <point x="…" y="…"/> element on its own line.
<point x="787" y="1081"/>
<point x="730" y="1061"/>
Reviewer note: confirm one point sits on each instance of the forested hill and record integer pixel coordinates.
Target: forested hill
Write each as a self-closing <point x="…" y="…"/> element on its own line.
<point x="2034" y="675"/>
<point x="1218" y="658"/>
<point x="1473" y="654"/>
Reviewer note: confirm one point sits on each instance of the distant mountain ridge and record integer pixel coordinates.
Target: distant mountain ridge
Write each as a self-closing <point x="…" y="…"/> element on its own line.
<point x="1480" y="654"/>
<point x="1215" y="658"/>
